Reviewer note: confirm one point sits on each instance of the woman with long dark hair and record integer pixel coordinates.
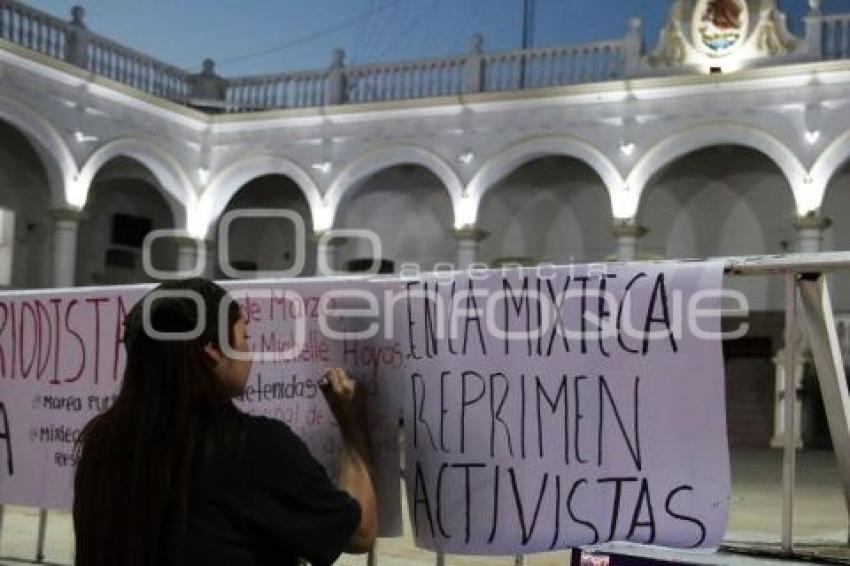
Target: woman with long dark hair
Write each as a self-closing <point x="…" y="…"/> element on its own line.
<point x="173" y="473"/>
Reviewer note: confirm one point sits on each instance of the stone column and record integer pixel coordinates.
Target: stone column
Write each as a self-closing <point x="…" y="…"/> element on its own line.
<point x="814" y="30"/>
<point x="469" y="239"/>
<point x="188" y="258"/>
<point x="633" y="47"/>
<point x="77" y="39"/>
<point x="208" y="89"/>
<point x="628" y="234"/>
<point x="810" y="233"/>
<point x="65" y="224"/>
<point x="327" y="252"/>
<point x="473" y="70"/>
<point x="335" y="85"/>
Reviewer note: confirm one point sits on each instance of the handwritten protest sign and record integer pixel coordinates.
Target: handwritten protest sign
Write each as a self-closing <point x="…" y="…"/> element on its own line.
<point x="61" y="362"/>
<point x="543" y="408"/>
<point x="608" y="424"/>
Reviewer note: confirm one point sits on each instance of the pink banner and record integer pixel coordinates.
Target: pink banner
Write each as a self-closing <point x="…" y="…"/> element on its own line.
<point x="61" y="361"/>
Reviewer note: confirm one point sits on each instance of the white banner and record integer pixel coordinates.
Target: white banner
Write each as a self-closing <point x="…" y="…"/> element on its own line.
<point x="543" y="410"/>
<point x="547" y="410"/>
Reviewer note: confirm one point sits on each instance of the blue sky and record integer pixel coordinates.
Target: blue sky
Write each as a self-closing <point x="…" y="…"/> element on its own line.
<point x="262" y="36"/>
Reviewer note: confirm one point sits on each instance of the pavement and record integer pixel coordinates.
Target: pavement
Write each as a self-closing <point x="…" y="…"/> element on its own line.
<point x="820" y="523"/>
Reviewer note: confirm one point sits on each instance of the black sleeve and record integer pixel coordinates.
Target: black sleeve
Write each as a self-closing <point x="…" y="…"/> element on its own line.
<point x="295" y="504"/>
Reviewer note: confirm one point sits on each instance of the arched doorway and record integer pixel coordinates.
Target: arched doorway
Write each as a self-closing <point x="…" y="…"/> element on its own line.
<point x="125" y="202"/>
<point x="730" y="200"/>
<point x="410" y="211"/>
<point x="25" y="221"/>
<point x="552" y="209"/>
<point x="269" y="244"/>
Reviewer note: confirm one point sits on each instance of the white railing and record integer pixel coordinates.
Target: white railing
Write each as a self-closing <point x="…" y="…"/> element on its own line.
<point x="554" y="66"/>
<point x="33" y="29"/>
<point x="406" y="79"/>
<point x="288" y="90"/>
<point x="72" y="42"/>
<point x="835" y="36"/>
<point x="827" y="37"/>
<point x="122" y="64"/>
<point x="448" y="76"/>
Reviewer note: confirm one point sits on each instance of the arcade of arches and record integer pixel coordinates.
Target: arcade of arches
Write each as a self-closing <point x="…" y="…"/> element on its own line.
<point x="718" y="200"/>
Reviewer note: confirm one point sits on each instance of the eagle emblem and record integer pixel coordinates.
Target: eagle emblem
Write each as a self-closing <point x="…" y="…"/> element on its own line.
<point x="720" y="25"/>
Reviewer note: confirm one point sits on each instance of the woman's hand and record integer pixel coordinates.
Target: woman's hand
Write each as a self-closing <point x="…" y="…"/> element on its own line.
<point x="346" y="401"/>
<point x="348" y="404"/>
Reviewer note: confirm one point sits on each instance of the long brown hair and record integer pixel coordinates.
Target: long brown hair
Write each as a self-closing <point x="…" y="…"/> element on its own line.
<point x="136" y="461"/>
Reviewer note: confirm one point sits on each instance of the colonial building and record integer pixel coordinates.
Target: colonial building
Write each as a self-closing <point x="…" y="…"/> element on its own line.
<point x="728" y="135"/>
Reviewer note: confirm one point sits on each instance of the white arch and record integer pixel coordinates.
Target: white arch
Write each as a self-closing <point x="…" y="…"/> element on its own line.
<point x="833" y="157"/>
<point x="236" y="175"/>
<point x="167" y="171"/>
<point x="692" y="139"/>
<point x="519" y="153"/>
<point x="378" y="159"/>
<point x="55" y="155"/>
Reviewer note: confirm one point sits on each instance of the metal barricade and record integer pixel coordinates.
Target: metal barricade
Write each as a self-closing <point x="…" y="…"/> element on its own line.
<point x="807" y="303"/>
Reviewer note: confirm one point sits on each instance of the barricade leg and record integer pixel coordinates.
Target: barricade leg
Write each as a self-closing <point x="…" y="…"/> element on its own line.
<point x="42" y="533"/>
<point x="440" y="560"/>
<point x="789" y="455"/>
<point x="826" y="351"/>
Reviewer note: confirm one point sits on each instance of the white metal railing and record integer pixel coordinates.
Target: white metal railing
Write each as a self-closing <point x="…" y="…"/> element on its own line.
<point x="804" y="279"/>
<point x="835" y="32"/>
